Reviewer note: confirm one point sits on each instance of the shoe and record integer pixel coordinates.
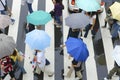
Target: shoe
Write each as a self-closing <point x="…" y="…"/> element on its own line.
<point x="13" y="21"/>
<point x="103" y="26"/>
<point x="106" y="78"/>
<point x="51" y="75"/>
<point x="68" y="67"/>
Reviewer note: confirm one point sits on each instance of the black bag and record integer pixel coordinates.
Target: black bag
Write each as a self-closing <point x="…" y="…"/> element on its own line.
<point x="52" y="13"/>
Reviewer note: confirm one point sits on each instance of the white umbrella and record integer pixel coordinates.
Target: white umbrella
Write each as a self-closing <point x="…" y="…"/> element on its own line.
<point x="116" y="54"/>
<point x="77" y="20"/>
<point x="5" y="21"/>
<point x="7" y="45"/>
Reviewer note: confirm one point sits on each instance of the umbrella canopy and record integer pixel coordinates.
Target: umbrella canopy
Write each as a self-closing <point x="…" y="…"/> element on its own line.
<point x="115" y="9"/>
<point x="7" y="45"/>
<point x="116" y="54"/>
<point x="77" y="20"/>
<point x="88" y="5"/>
<point x="5" y="21"/>
<point x="37" y="39"/>
<point x="77" y="49"/>
<point x="39" y="17"/>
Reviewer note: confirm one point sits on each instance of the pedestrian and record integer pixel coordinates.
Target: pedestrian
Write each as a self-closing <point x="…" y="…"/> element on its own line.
<point x="114" y="70"/>
<point x="58" y="7"/>
<point x="7" y="67"/>
<point x="108" y="19"/>
<point x="5" y="10"/>
<point x="77" y="66"/>
<point x="17" y="58"/>
<point x="29" y="5"/>
<point x="90" y="26"/>
<point x="114" y="30"/>
<point x="41" y="62"/>
<point x="74" y="33"/>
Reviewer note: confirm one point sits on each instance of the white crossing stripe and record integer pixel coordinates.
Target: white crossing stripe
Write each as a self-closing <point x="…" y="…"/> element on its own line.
<point x="90" y="62"/>
<point x="50" y="52"/>
<point x="67" y="61"/>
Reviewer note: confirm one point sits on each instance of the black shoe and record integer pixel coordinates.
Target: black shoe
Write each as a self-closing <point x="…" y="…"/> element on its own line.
<point x="50" y="75"/>
<point x="103" y="26"/>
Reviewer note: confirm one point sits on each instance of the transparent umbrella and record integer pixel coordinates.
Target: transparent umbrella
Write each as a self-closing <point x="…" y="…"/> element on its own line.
<point x="7" y="45"/>
<point x="5" y="21"/>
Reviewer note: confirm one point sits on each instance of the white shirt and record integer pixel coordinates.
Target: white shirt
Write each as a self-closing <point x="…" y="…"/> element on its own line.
<point x="29" y="1"/>
<point x="91" y="19"/>
<point x="41" y="59"/>
<point x="1" y="6"/>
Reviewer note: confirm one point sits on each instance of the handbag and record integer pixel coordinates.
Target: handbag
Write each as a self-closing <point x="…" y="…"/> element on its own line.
<point x="37" y="69"/>
<point x="52" y="13"/>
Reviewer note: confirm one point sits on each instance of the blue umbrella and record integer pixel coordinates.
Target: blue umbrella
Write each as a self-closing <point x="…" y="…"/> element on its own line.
<point x="39" y="17"/>
<point x="77" y="49"/>
<point x="37" y="39"/>
<point x="88" y="5"/>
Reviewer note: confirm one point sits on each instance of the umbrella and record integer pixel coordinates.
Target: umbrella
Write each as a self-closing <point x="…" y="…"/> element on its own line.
<point x="116" y="54"/>
<point x="115" y="9"/>
<point x="88" y="5"/>
<point x="7" y="45"/>
<point x="37" y="39"/>
<point x="77" y="20"/>
<point x="39" y="17"/>
<point x="5" y="21"/>
<point x="77" y="49"/>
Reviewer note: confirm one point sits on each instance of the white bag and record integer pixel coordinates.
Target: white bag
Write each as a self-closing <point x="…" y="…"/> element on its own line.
<point x="116" y="54"/>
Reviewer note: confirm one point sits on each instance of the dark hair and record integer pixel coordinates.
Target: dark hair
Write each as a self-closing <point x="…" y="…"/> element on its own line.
<point x="91" y="13"/>
<point x="14" y="53"/>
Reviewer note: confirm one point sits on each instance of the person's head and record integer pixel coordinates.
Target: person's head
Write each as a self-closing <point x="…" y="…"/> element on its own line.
<point x="91" y="13"/>
<point x="14" y="52"/>
<point x="58" y="1"/>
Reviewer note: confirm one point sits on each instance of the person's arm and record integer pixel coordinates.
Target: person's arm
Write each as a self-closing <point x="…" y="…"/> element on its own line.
<point x="94" y="20"/>
<point x="54" y="2"/>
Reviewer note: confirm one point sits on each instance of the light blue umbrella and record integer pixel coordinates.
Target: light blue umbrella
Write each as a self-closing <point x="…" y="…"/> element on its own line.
<point x="39" y="17"/>
<point x="77" y="49"/>
<point x="37" y="39"/>
<point x="88" y="5"/>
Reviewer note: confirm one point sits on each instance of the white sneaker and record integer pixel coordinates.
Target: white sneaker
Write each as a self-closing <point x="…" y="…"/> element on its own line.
<point x="77" y="78"/>
<point x="106" y="78"/>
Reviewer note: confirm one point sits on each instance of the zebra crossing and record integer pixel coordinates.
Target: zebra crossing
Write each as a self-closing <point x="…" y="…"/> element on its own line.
<point x="91" y="71"/>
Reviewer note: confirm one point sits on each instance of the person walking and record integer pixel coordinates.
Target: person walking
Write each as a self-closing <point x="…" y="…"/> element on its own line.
<point x="58" y="7"/>
<point x="41" y="62"/>
<point x="7" y="67"/>
<point x="17" y="57"/>
<point x="114" y="70"/>
<point x="90" y="26"/>
<point x="29" y="5"/>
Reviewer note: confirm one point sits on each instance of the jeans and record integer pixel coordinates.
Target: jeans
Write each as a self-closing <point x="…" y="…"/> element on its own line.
<point x="87" y="28"/>
<point x="114" y="30"/>
<point x="30" y="7"/>
<point x="57" y="19"/>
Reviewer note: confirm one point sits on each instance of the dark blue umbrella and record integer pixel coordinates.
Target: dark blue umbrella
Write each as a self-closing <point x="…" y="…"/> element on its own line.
<point x="77" y="49"/>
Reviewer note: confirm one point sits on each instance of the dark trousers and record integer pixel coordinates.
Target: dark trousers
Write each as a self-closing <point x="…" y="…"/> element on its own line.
<point x="10" y="73"/>
<point x="87" y="28"/>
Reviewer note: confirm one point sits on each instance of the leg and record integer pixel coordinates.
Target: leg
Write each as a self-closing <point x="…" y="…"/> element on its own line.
<point x="12" y="75"/>
<point x="30" y="7"/>
<point x="70" y="72"/>
<point x="87" y="28"/>
<point x="111" y="73"/>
